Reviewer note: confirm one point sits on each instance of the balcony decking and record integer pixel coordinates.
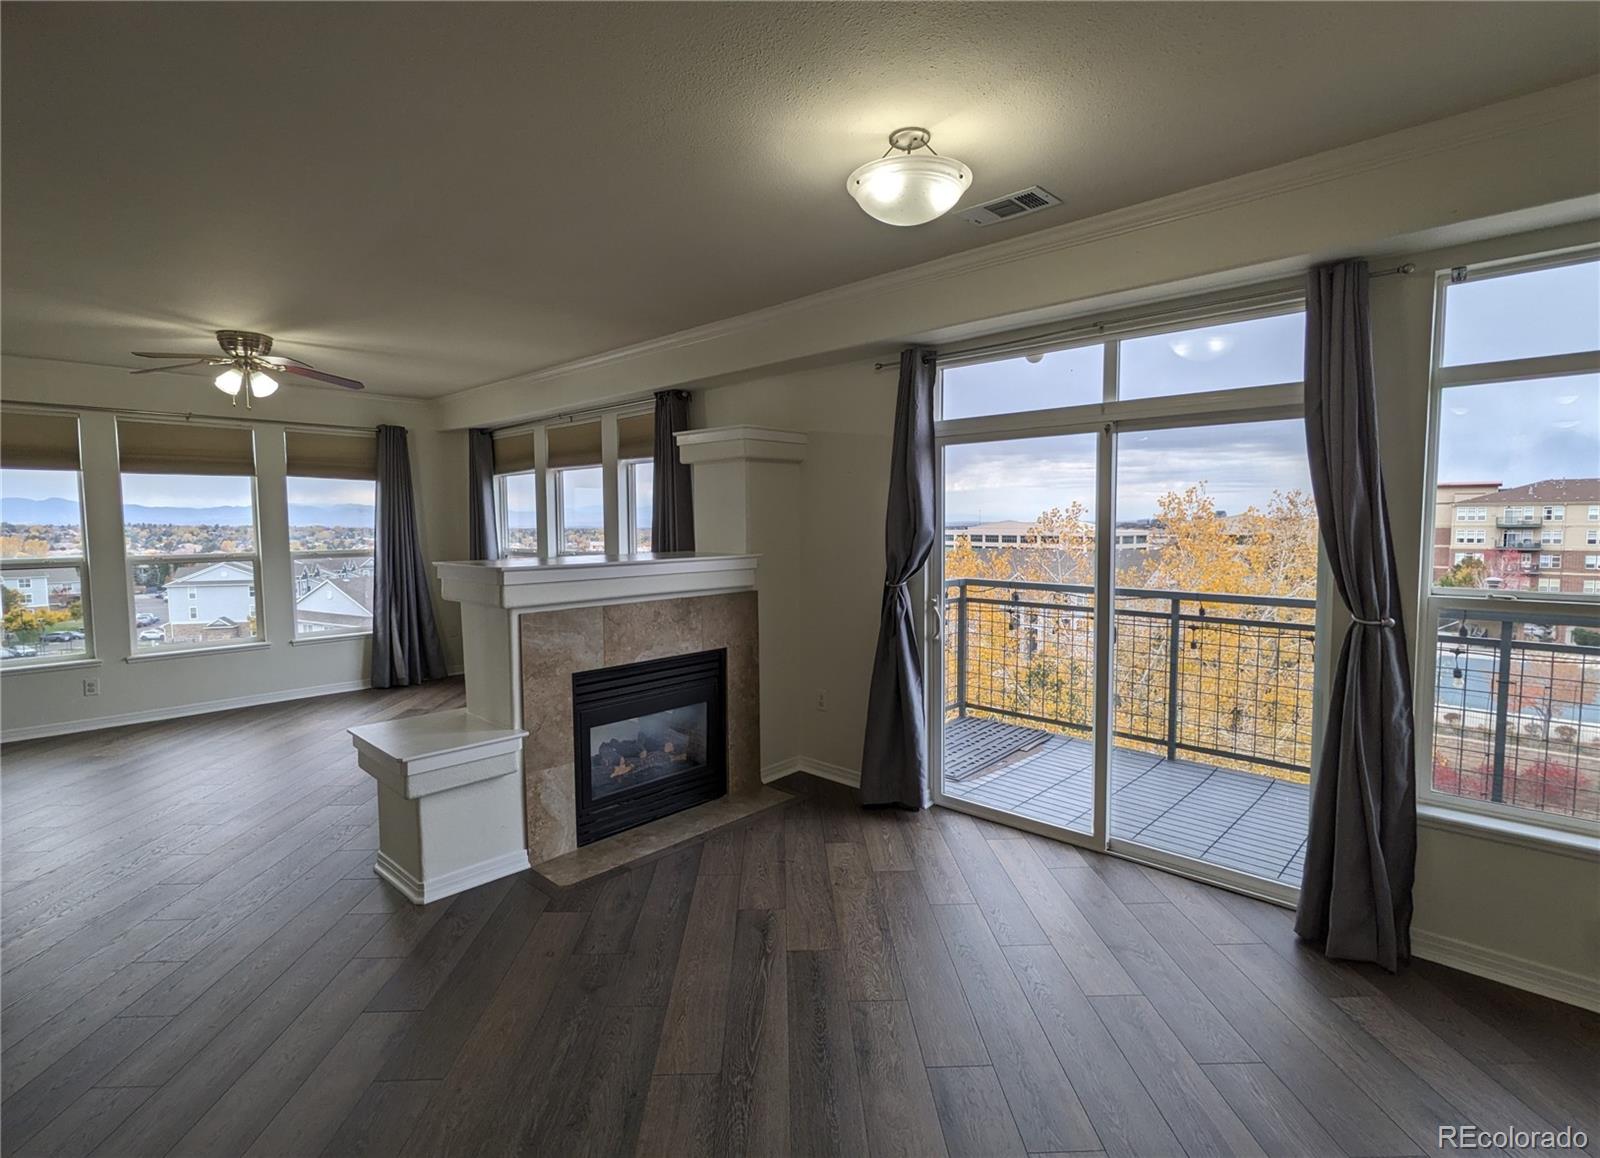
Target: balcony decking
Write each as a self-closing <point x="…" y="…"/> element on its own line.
<point x="1250" y="823"/>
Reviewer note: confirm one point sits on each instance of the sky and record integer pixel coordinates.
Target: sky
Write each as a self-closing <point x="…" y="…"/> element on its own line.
<point x="1241" y="465"/>
<point x="1508" y="432"/>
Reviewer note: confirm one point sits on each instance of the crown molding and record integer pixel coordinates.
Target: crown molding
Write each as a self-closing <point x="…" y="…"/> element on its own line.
<point x="1575" y="100"/>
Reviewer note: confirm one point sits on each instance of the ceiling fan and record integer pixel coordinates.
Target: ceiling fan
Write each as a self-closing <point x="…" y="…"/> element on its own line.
<point x="248" y="356"/>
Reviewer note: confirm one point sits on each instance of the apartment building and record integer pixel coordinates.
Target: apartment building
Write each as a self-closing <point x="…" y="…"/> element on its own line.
<point x="1544" y="536"/>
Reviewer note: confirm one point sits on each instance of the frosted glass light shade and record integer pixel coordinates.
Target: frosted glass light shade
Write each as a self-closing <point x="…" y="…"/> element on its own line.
<point x="229" y="381"/>
<point x="262" y="386"/>
<point x="909" y="188"/>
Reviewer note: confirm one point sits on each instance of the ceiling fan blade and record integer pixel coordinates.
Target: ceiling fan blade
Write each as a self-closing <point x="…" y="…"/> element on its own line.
<point x="331" y="379"/>
<point x="169" y="357"/>
<point x="281" y="360"/>
<point x="179" y="366"/>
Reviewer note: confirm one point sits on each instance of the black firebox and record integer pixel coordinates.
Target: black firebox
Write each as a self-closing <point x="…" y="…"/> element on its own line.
<point x="649" y="739"/>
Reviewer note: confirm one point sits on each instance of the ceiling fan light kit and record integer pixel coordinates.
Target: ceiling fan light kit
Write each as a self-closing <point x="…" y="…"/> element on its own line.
<point x="248" y="356"/>
<point x="906" y="186"/>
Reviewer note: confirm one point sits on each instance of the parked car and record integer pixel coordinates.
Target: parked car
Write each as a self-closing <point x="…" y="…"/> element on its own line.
<point x="59" y="637"/>
<point x="73" y="635"/>
<point x="22" y="650"/>
<point x="145" y="619"/>
<point x="7" y="653"/>
<point x="152" y="635"/>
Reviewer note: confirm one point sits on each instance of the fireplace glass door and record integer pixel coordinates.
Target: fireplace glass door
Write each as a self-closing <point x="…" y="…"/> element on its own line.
<point x="650" y="739"/>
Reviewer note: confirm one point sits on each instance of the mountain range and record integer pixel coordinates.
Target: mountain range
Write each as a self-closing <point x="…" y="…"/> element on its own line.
<point x="58" y="512"/>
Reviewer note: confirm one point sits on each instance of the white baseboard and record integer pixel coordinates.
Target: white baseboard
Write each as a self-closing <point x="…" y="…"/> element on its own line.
<point x="835" y="772"/>
<point x="427" y="891"/>
<point x="1508" y="969"/>
<point x="155" y="715"/>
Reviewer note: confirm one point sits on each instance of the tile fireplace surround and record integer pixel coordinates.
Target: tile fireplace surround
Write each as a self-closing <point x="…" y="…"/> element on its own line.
<point x="554" y="644"/>
<point x="529" y="624"/>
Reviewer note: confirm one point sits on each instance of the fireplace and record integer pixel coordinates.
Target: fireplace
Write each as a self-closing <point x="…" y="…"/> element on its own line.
<point x="649" y="739"/>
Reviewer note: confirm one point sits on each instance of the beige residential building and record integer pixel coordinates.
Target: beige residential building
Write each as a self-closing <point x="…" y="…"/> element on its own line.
<point x="1544" y="536"/>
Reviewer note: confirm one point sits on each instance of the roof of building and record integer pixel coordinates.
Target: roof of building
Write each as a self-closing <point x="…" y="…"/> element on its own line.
<point x="1551" y="490"/>
<point x="225" y="571"/>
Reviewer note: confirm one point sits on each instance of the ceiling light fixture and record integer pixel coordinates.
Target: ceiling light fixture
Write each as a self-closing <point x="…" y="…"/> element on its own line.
<point x="909" y="187"/>
<point x="232" y="379"/>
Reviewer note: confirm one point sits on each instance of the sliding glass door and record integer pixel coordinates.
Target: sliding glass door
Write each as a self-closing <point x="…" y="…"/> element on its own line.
<point x="1216" y="584"/>
<point x="1019" y="627"/>
<point x="1127" y="595"/>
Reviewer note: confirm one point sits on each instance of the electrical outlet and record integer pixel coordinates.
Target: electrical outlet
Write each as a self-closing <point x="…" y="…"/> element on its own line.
<point x="91" y="687"/>
<point x="822" y="700"/>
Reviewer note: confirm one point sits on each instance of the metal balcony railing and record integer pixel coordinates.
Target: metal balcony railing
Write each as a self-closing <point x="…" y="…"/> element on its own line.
<point x="1518" y="521"/>
<point x="1224" y="677"/>
<point x="1517" y="711"/>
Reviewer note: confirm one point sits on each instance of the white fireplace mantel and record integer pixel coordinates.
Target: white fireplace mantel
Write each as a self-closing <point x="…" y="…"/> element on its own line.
<point x="585" y="580"/>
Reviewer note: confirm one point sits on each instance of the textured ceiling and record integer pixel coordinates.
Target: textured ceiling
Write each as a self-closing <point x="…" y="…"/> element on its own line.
<point x="431" y="197"/>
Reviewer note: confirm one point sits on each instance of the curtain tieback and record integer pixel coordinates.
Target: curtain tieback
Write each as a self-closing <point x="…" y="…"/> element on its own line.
<point x="1384" y="622"/>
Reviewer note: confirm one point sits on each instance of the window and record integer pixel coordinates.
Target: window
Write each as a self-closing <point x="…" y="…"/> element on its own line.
<point x="189" y="528"/>
<point x="579" y="488"/>
<point x="1037" y="381"/>
<point x="517" y="500"/>
<point x="1594" y="514"/>
<point x="1258" y="352"/>
<point x="1516" y="387"/>
<point x="580" y="506"/>
<point x="333" y="502"/>
<point x="640" y="501"/>
<point x="1478" y="536"/>
<point x="1472" y="514"/>
<point x="1592" y="538"/>
<point x="636" y="447"/>
<point x="44" y="577"/>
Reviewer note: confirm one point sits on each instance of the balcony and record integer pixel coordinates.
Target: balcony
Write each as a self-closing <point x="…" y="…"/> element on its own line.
<point x="1515" y="521"/>
<point x="1520" y="543"/>
<point x="1213" y="706"/>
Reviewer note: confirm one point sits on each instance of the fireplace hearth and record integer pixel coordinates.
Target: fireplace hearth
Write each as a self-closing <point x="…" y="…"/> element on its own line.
<point x="649" y="739"/>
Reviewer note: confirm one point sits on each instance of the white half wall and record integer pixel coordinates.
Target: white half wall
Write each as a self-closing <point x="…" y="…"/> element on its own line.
<point x="45" y="701"/>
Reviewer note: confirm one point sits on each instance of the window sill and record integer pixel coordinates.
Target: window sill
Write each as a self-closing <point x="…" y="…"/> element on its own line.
<point x="330" y="637"/>
<point x="1507" y="831"/>
<point x="189" y="652"/>
<point x="60" y="665"/>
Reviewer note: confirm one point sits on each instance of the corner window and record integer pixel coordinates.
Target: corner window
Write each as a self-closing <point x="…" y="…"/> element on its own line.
<point x="639" y="501"/>
<point x="44" y="577"/>
<point x="517" y="502"/>
<point x="1515" y="693"/>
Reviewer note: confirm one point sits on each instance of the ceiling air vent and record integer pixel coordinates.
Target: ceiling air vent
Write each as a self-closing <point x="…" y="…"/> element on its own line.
<point x="1029" y="200"/>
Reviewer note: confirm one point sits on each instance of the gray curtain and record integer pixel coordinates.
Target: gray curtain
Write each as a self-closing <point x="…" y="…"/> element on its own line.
<point x="483" y="536"/>
<point x="1355" y="898"/>
<point x="672" y="521"/>
<point x="894" y="758"/>
<point x="405" y="638"/>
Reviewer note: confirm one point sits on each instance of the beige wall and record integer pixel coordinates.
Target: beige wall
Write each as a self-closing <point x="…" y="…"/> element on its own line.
<point x="40" y="701"/>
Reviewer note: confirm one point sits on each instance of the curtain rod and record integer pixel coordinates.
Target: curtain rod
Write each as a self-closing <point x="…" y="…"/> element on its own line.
<point x="1098" y="328"/>
<point x="189" y="415"/>
<point x="571" y="417"/>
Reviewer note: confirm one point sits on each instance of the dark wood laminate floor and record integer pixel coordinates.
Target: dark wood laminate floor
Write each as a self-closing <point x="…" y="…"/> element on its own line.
<point x="198" y="960"/>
